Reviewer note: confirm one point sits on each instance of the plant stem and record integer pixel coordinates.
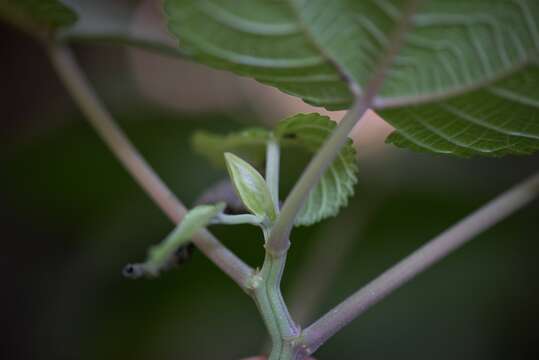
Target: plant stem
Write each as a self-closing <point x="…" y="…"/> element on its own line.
<point x="485" y="217"/>
<point x="282" y="329"/>
<point x="80" y="89"/>
<point x="272" y="171"/>
<point x="237" y="219"/>
<point x="279" y="240"/>
<point x="266" y="292"/>
<point x="267" y="289"/>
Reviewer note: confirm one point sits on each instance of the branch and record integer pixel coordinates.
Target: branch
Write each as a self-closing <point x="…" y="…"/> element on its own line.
<point x="272" y="170"/>
<point x="85" y="97"/>
<point x="441" y="246"/>
<point x="269" y="300"/>
<point x="279" y="242"/>
<point x="240" y="219"/>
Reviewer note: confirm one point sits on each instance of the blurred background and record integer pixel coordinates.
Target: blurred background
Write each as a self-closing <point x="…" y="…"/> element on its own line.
<point x="71" y="218"/>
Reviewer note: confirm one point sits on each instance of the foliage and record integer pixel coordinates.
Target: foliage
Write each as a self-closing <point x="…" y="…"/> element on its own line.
<point x="462" y="80"/>
<point x="310" y="131"/>
<point x="160" y="256"/>
<point x="306" y="132"/>
<point x="455" y="78"/>
<point x="475" y="53"/>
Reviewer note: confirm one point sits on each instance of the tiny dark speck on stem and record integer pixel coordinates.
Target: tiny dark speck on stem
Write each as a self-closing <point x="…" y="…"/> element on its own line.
<point x="132" y="271"/>
<point x="184" y="253"/>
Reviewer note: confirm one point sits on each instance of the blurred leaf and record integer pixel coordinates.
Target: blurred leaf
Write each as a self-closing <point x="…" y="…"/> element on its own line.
<point x="112" y="21"/>
<point x="310" y="48"/>
<point x="251" y="187"/>
<point x="160" y="255"/>
<point x="310" y="131"/>
<point x="37" y="15"/>
<point x="96" y="21"/>
<point x="249" y="144"/>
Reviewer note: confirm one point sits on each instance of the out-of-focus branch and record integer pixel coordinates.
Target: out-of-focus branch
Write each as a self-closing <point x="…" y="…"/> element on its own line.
<point x="454" y="237"/>
<point x="79" y="87"/>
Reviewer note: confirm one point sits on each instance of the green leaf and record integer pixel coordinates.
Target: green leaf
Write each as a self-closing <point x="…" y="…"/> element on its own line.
<point x="262" y="39"/>
<point x="249" y="144"/>
<point x="304" y="131"/>
<point x="37" y="15"/>
<point x="160" y="255"/>
<point x="251" y="187"/>
<point x="310" y="131"/>
<point x="497" y="120"/>
<point x="308" y="47"/>
<point x="446" y="52"/>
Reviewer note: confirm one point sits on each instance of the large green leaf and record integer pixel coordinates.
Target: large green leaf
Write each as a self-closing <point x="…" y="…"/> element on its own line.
<point x="261" y="39"/>
<point x="37" y="15"/>
<point x="438" y="49"/>
<point x="310" y="131"/>
<point x="496" y="120"/>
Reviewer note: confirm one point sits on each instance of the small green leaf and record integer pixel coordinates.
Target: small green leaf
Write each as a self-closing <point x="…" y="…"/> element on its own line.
<point x="310" y="131"/>
<point x="251" y="187"/>
<point x="160" y="255"/>
<point x="249" y="144"/>
<point x="37" y="15"/>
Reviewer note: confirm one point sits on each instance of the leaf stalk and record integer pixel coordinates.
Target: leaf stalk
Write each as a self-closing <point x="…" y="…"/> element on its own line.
<point x="272" y="170"/>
